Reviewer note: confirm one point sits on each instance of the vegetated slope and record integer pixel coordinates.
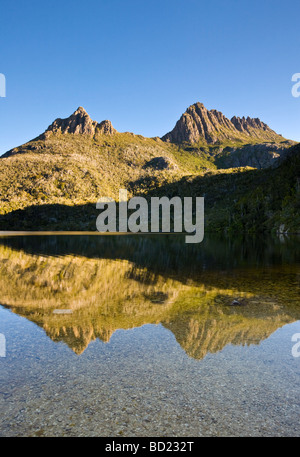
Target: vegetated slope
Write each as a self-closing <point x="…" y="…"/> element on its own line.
<point x="77" y="160"/>
<point x="245" y="199"/>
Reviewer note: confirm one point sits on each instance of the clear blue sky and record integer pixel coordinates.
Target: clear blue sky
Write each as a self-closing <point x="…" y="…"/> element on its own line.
<point x="141" y="63"/>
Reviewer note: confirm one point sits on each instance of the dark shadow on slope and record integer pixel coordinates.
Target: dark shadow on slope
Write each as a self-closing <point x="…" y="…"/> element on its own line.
<point x="51" y="217"/>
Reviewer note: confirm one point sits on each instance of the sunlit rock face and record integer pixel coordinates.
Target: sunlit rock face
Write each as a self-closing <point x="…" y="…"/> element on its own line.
<point x="200" y="124"/>
<point x="80" y="123"/>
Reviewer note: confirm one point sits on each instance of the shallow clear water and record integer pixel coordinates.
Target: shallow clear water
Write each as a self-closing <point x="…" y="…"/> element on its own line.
<point x="136" y="336"/>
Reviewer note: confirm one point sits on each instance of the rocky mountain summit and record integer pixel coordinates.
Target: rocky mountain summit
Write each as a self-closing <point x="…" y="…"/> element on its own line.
<point x="207" y="135"/>
<point x="198" y="124"/>
<point x="53" y="181"/>
<point x="80" y="123"/>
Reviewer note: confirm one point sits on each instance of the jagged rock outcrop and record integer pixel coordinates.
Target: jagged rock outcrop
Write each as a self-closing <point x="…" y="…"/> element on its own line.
<point x="243" y="124"/>
<point x="80" y="123"/>
<point x="199" y="124"/>
<point x="253" y="126"/>
<point x="106" y="128"/>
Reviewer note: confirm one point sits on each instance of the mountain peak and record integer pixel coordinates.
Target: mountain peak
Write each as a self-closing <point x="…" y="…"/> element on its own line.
<point x="80" y="110"/>
<point x="80" y="123"/>
<point x="200" y="124"/>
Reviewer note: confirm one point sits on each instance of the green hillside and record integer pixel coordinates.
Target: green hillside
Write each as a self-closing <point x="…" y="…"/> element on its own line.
<point x="76" y="169"/>
<point x="245" y="199"/>
<point x="54" y="181"/>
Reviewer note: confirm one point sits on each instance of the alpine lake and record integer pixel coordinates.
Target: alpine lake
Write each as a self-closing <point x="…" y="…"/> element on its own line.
<point x="145" y="335"/>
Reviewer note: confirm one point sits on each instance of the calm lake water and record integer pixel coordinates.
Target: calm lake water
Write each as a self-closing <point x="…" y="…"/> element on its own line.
<point x="137" y="336"/>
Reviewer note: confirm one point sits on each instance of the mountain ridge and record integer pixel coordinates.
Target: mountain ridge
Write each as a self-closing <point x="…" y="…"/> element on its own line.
<point x="199" y="124"/>
<point x="80" y="123"/>
<point x="196" y="125"/>
<point x="77" y="160"/>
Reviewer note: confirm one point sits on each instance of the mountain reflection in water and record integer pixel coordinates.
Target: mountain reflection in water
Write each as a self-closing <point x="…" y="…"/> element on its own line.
<point x="122" y="282"/>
